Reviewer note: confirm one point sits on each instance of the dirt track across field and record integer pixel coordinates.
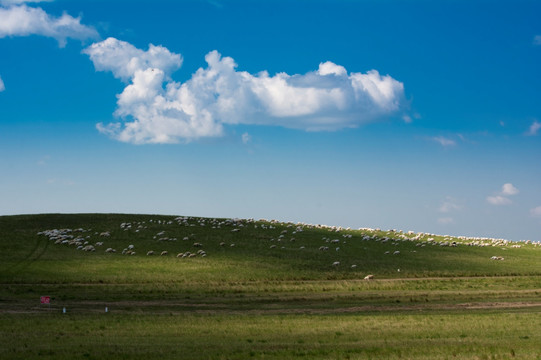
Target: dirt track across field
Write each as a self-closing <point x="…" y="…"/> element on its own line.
<point x="176" y="307"/>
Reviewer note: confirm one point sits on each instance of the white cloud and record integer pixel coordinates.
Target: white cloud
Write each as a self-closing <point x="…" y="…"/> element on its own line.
<point x="18" y="2"/>
<point x="534" y="128"/>
<point x="537" y="40"/>
<point x="498" y="200"/>
<point x="155" y="109"/>
<point x="446" y="220"/>
<point x="536" y="212"/>
<point x="509" y="189"/>
<point x="246" y="138"/>
<point x="449" y="205"/>
<point x="501" y="198"/>
<point x="2" y="87"/>
<point x="445" y="142"/>
<point x="124" y="60"/>
<point x="23" y="21"/>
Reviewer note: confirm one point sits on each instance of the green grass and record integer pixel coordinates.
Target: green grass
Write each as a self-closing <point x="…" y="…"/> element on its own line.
<point x="360" y="336"/>
<point x="254" y="300"/>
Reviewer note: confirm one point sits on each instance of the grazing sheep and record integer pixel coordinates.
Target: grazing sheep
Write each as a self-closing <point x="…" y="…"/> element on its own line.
<point x="272" y="246"/>
<point x="369" y="277"/>
<point x="196" y="244"/>
<point x="89" y="248"/>
<point x="336" y="263"/>
<point x="110" y="250"/>
<point x="222" y="244"/>
<point x="396" y="252"/>
<point x="497" y="258"/>
<point x="150" y="253"/>
<point x="179" y="255"/>
<point x="164" y="253"/>
<point x="353" y="266"/>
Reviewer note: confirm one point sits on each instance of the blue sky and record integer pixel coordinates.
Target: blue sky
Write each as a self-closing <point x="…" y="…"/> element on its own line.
<point x="413" y="115"/>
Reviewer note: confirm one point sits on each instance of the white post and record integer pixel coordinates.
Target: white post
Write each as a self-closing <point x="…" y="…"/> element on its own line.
<point x="63" y="310"/>
<point x="106" y="309"/>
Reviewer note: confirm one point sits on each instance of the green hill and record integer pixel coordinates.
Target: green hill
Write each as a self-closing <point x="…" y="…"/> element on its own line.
<point x="217" y="269"/>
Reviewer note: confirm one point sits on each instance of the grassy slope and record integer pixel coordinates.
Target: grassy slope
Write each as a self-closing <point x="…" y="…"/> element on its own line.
<point x="235" y="285"/>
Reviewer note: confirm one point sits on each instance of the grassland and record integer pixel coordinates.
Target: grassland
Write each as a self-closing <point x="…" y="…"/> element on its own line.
<point x="263" y="290"/>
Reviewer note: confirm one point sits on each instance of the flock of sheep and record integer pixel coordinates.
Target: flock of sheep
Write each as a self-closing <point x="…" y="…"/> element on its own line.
<point x="82" y="239"/>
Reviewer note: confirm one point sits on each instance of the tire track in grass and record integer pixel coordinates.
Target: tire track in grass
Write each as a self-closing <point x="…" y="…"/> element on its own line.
<point x="35" y="254"/>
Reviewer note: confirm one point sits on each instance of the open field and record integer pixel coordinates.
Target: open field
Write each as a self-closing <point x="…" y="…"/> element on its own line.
<point x="260" y="289"/>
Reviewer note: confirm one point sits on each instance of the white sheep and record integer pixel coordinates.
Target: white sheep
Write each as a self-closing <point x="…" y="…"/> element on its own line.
<point x="164" y="253"/>
<point x="151" y="252"/>
<point x="336" y="263"/>
<point x="369" y="277"/>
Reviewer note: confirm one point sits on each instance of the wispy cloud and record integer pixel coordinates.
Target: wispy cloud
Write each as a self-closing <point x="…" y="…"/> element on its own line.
<point x="22" y="20"/>
<point x="448" y="205"/>
<point x="246" y="138"/>
<point x="446" y="220"/>
<point x="18" y="2"/>
<point x="216" y="4"/>
<point x="502" y="197"/>
<point x="44" y="160"/>
<point x="443" y="141"/>
<point x="155" y="109"/>
<point x="536" y="212"/>
<point x="498" y="200"/>
<point x="537" y="40"/>
<point x="2" y="87"/>
<point x="534" y="129"/>
<point x="63" y="182"/>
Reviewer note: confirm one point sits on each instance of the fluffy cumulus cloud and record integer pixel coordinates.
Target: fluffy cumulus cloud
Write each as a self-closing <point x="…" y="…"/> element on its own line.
<point x="22" y="20"/>
<point x="509" y="189"/>
<point x="124" y="60"/>
<point x="2" y="87"/>
<point x="155" y="109"/>
<point x="502" y="197"/>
